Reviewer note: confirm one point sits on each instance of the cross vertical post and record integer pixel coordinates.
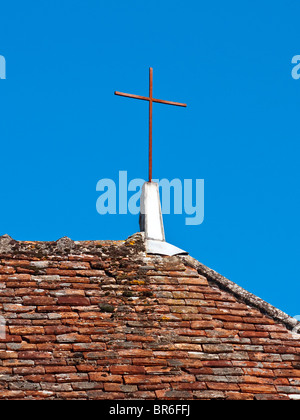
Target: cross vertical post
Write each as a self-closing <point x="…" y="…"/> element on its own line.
<point x="150" y="99"/>
<point x="150" y="121"/>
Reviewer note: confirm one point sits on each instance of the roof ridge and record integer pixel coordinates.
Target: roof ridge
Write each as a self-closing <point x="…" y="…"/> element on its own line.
<point x="249" y="298"/>
<point x="60" y="246"/>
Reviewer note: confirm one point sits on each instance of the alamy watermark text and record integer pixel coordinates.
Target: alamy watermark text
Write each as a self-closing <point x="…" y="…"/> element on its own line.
<point x="188" y="197"/>
<point x="2" y="67"/>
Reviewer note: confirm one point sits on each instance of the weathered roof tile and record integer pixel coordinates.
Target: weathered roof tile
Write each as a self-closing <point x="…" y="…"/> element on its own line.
<point x="104" y="320"/>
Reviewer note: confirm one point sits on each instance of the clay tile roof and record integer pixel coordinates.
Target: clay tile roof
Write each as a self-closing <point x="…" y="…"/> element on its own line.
<point x="104" y="320"/>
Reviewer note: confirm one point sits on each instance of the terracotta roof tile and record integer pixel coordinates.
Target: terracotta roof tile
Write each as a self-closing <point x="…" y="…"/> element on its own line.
<point x="104" y="320"/>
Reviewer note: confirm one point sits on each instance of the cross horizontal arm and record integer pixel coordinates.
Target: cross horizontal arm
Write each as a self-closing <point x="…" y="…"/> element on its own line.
<point x="145" y="98"/>
<point x="160" y="101"/>
<point x="128" y="95"/>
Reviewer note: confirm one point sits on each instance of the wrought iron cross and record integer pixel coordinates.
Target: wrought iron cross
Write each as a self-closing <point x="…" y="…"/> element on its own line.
<point x="151" y="100"/>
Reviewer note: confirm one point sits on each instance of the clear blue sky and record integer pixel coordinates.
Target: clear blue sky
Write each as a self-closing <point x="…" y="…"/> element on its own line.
<point x="62" y="129"/>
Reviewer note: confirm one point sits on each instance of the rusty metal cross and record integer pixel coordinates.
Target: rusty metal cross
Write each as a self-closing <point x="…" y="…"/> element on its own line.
<point x="151" y="100"/>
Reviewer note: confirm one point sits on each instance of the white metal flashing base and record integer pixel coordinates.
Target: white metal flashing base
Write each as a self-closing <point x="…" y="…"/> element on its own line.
<point x="163" y="248"/>
<point x="151" y="222"/>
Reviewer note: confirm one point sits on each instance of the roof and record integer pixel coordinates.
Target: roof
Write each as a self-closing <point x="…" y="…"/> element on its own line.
<point x="105" y="320"/>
